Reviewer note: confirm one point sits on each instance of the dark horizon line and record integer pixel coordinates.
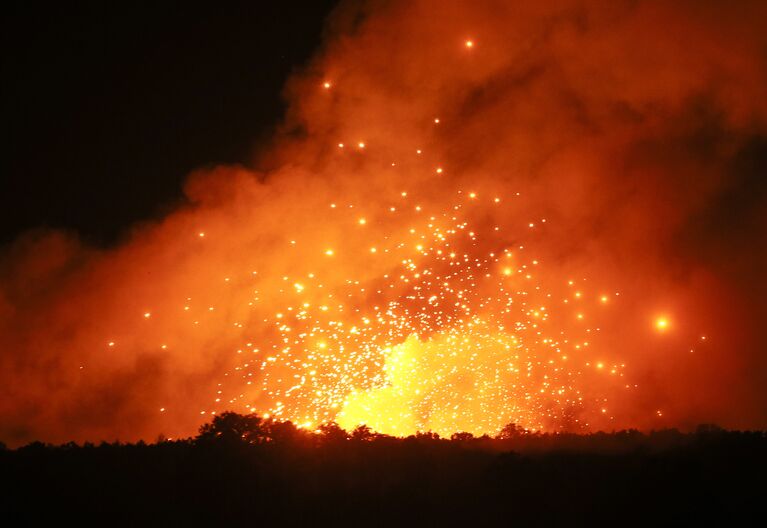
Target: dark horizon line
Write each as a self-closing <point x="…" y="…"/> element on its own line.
<point x="260" y="431"/>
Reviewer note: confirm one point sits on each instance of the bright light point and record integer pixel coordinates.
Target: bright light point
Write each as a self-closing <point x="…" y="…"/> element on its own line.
<point x="469" y="43"/>
<point x="661" y="324"/>
<point x="326" y="85"/>
<point x="201" y="235"/>
<point x="441" y="275"/>
<point x="147" y="315"/>
<point x="111" y="343"/>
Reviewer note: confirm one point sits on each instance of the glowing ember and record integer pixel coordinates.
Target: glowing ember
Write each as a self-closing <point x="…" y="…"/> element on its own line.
<point x="455" y="333"/>
<point x="472" y="215"/>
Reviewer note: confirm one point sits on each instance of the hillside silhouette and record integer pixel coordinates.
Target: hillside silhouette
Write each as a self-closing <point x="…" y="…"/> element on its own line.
<point x="246" y="469"/>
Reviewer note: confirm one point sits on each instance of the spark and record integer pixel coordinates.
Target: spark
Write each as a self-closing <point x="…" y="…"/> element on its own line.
<point x="448" y="337"/>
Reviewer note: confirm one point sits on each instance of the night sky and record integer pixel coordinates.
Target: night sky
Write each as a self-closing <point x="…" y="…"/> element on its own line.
<point x="107" y="109"/>
<point x="414" y="215"/>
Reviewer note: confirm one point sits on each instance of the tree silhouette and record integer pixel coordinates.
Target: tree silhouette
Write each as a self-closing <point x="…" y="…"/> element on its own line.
<point x="331" y="432"/>
<point x="231" y="427"/>
<point x="334" y="478"/>
<point x="363" y="433"/>
<point x="510" y="431"/>
<point x="428" y="436"/>
<point x="284" y="432"/>
<point x="709" y="429"/>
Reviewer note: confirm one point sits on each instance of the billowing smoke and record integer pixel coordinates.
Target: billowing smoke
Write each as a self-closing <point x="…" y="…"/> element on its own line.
<point x="625" y="143"/>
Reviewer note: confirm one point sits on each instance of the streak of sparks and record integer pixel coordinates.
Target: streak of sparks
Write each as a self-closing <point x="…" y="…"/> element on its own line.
<point x="454" y="338"/>
<point x="463" y="333"/>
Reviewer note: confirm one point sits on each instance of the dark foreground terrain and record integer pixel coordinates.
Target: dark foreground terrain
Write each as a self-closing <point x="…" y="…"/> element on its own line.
<point x="246" y="471"/>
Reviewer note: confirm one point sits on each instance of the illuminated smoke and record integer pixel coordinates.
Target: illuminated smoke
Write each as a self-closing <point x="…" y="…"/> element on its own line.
<point x="475" y="213"/>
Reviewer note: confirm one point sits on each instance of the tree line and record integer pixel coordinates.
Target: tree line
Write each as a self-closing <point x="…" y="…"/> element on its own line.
<point x="248" y="469"/>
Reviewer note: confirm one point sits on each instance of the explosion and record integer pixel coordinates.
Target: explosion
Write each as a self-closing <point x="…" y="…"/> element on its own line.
<point x="460" y="330"/>
<point x="473" y="214"/>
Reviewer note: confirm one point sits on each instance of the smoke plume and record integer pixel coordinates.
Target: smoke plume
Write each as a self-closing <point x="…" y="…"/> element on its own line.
<point x="626" y="143"/>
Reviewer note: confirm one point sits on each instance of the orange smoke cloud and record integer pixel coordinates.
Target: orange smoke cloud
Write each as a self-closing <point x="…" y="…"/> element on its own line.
<point x="619" y="147"/>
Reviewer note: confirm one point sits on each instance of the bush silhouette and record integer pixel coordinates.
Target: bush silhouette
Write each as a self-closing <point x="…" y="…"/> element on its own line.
<point x="230" y="427"/>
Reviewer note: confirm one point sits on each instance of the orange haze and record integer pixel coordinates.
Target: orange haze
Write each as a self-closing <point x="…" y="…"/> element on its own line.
<point x="626" y="145"/>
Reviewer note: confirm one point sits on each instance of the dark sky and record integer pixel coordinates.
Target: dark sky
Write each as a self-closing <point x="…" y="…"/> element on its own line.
<point x="106" y="110"/>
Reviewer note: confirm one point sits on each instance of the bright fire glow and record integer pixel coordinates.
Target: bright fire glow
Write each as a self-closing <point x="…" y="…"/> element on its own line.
<point x="470" y="217"/>
<point x="451" y="332"/>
